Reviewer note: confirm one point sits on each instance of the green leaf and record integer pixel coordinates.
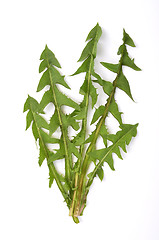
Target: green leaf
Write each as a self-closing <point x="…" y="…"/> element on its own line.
<point x="90" y="138"/>
<point x="43" y="66"/>
<point x="55" y="77"/>
<point x="35" y="131"/>
<point x="112" y="67"/>
<point x="42" y="154"/>
<point x="104" y="133"/>
<point x="120" y="140"/>
<point x="62" y="99"/>
<point x="83" y="88"/>
<point x="93" y="94"/>
<point x="104" y="154"/>
<point x="29" y="119"/>
<point x="89" y="175"/>
<point x="84" y="67"/>
<point x="37" y="128"/>
<point x="74" y="150"/>
<point x="51" y="177"/>
<point x="47" y="138"/>
<point x="41" y="122"/>
<point x="87" y="89"/>
<point x="91" y="47"/>
<point x="48" y="58"/>
<point x="60" y="154"/>
<point x="80" y="114"/>
<point x="100" y="173"/>
<point x="127" y="39"/>
<point x="123" y="84"/>
<point x="38" y="121"/>
<point x="32" y="104"/>
<point x="74" y="185"/>
<point x="99" y="79"/>
<point x="96" y="32"/>
<point x="79" y="139"/>
<point x="55" y="96"/>
<point x="44" y="81"/>
<point x="27" y="104"/>
<point x="54" y="123"/>
<point x="46" y="99"/>
<point x="98" y="113"/>
<point x="121" y="49"/>
<point x="72" y="122"/>
<point x="88" y="50"/>
<point x="66" y="186"/>
<point x="107" y="86"/>
<point x="127" y="61"/>
<point x="113" y="109"/>
<point x="124" y="136"/>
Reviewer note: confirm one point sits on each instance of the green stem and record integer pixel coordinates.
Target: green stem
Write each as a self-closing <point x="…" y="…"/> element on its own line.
<point x="59" y="184"/>
<point x="84" y="128"/>
<point x="103" y="159"/>
<point x="74" y="195"/>
<point x="87" y="161"/>
<point x="52" y="167"/>
<point x="84" y="122"/>
<point x="64" y="135"/>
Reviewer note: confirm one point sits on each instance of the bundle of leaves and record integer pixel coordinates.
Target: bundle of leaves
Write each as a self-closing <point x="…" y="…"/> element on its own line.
<point x="80" y="151"/>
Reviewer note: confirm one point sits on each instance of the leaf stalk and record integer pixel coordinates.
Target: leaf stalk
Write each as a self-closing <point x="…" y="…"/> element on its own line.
<point x="86" y="162"/>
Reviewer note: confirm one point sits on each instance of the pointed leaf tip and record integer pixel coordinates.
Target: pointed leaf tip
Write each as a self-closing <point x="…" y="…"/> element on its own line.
<point x="90" y="49"/>
<point x="127" y="61"/>
<point x="26" y="104"/>
<point x="84" y="67"/>
<point x="48" y="58"/>
<point x="123" y="84"/>
<point x="112" y="67"/>
<point x="96" y="32"/>
<point x="127" y="39"/>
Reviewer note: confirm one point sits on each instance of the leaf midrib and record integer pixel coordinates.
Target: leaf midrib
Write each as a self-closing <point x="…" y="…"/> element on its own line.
<point x="67" y="160"/>
<point x="88" y="89"/>
<point x="47" y="157"/>
<point x="110" y="149"/>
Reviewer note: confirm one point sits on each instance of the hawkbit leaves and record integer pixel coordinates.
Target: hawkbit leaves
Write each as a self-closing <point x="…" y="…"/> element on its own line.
<point x="80" y="150"/>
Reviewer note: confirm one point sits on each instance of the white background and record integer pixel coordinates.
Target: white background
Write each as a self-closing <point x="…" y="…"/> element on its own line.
<point x="126" y="204"/>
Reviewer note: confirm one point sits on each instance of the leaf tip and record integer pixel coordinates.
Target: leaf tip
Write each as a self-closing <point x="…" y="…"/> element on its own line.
<point x="137" y="124"/>
<point x="127" y="39"/>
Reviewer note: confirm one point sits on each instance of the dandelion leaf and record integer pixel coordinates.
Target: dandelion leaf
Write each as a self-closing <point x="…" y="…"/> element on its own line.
<point x="123" y="84"/>
<point x="127" y="39"/>
<point x="120" y="140"/>
<point x="112" y="67"/>
<point x="98" y="113"/>
<point x="51" y="177"/>
<point x="113" y="109"/>
<point x="48" y="58"/>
